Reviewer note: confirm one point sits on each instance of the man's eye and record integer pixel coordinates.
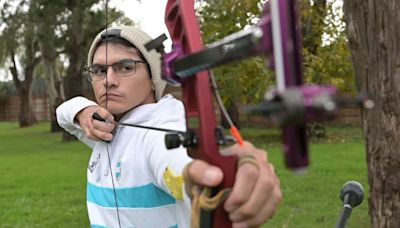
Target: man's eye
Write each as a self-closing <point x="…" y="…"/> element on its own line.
<point x="126" y="67"/>
<point x="99" y="70"/>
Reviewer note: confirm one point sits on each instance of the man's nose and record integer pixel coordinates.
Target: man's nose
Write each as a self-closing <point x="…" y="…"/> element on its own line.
<point x="112" y="78"/>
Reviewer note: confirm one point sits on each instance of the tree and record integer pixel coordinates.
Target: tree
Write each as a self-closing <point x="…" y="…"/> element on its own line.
<point x="326" y="55"/>
<point x="49" y="43"/>
<point x="67" y="27"/>
<point x="325" y="51"/>
<point x="244" y="81"/>
<point x="374" y="37"/>
<point x="19" y="49"/>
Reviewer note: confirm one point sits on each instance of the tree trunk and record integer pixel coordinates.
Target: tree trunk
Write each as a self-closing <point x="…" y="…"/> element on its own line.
<point x="374" y="35"/>
<point x="54" y="85"/>
<point x="76" y="54"/>
<point x="26" y="115"/>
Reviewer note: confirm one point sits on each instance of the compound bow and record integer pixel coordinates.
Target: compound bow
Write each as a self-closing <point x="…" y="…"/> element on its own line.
<point x="292" y="104"/>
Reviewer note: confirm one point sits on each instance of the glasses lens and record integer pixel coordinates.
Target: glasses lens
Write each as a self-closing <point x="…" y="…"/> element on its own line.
<point x="98" y="69"/>
<point x="125" y="68"/>
<point x="98" y="72"/>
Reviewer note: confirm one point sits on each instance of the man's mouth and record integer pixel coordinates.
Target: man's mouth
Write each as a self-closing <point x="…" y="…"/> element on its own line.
<point x="110" y="96"/>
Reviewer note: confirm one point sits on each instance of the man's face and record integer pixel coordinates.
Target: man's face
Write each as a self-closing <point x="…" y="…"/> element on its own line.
<point x="123" y="93"/>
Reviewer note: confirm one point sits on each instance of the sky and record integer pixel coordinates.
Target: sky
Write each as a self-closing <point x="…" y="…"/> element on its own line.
<point x="149" y="14"/>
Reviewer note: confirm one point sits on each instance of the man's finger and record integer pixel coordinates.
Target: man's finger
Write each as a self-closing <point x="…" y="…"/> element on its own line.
<point x="260" y="195"/>
<point x="106" y="136"/>
<point x="267" y="211"/>
<point x="262" y="204"/>
<point x="87" y="128"/>
<point x="237" y="149"/>
<point x="202" y="173"/>
<point x="246" y="179"/>
<point x="103" y="126"/>
<point x="106" y="115"/>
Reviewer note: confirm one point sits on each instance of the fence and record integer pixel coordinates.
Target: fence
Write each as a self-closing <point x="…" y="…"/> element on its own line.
<point x="10" y="106"/>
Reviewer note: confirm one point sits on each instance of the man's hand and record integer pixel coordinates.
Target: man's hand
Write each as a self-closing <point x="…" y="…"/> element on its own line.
<point x="256" y="193"/>
<point x="95" y="129"/>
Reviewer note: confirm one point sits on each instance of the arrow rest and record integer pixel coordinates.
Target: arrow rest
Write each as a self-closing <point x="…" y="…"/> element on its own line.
<point x="186" y="139"/>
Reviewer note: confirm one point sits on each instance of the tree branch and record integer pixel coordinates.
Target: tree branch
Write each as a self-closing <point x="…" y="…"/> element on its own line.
<point x="14" y="70"/>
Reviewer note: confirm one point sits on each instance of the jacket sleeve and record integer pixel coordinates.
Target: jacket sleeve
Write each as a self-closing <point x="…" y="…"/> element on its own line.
<point x="167" y="166"/>
<point x="166" y="163"/>
<point x="66" y="113"/>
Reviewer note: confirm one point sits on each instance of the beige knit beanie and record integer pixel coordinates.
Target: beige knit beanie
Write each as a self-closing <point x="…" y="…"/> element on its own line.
<point x="138" y="38"/>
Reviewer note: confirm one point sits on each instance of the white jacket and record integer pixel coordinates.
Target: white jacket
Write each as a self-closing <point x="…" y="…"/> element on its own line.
<point x="147" y="176"/>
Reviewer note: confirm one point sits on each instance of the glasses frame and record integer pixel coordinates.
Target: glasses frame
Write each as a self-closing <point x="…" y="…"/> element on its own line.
<point x="88" y="71"/>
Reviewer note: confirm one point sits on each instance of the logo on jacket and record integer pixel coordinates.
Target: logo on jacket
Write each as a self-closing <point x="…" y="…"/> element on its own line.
<point x="92" y="164"/>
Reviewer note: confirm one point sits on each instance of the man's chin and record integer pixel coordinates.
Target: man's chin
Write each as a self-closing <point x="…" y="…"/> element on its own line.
<point x="116" y="110"/>
<point x="110" y="106"/>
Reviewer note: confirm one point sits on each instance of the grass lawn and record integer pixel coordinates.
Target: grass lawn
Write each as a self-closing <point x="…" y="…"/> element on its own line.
<point x="312" y="200"/>
<point x="43" y="181"/>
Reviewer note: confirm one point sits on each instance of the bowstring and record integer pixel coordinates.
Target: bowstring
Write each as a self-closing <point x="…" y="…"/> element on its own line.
<point x="232" y="128"/>
<point x="106" y="106"/>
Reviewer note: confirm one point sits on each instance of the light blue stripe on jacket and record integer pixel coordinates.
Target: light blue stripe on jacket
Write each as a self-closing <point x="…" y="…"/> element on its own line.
<point x="145" y="196"/>
<point x="97" y="226"/>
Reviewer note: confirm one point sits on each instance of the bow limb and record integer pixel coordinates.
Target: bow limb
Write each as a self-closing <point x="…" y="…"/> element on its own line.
<point x="197" y="98"/>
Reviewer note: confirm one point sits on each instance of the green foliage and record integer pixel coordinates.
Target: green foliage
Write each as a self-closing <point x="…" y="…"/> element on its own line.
<point x="326" y="54"/>
<point x="60" y="19"/>
<point x="243" y="81"/>
<point x="43" y="20"/>
<point x="16" y="31"/>
<point x="315" y="130"/>
<point x="7" y="89"/>
<point x="331" y="65"/>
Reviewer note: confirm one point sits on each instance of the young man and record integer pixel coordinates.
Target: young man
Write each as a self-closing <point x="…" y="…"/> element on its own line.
<point x="133" y="164"/>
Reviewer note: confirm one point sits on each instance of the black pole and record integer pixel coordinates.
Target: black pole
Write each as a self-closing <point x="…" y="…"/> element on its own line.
<point x="351" y="194"/>
<point x="344" y="215"/>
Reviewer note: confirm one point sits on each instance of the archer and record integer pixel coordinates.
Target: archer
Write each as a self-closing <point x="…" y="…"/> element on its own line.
<point x="132" y="179"/>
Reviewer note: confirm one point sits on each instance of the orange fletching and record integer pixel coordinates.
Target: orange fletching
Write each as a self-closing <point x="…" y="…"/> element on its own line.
<point x="236" y="134"/>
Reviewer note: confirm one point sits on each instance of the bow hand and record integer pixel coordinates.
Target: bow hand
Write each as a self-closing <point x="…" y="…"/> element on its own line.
<point x="256" y="193"/>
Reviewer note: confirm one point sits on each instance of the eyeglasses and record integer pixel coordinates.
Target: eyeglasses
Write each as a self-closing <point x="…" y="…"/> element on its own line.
<point x="123" y="68"/>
